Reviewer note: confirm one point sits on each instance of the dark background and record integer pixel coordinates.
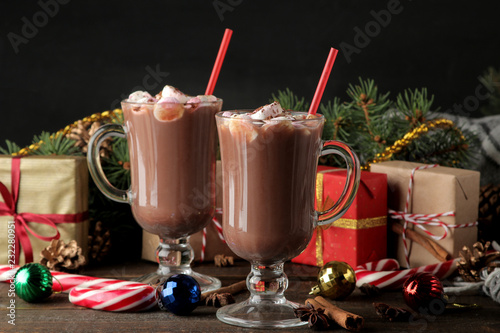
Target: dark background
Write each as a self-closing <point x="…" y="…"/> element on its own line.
<point x="88" y="54"/>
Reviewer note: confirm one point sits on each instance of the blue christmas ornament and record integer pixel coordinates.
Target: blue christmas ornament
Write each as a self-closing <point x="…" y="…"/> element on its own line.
<point x="179" y="294"/>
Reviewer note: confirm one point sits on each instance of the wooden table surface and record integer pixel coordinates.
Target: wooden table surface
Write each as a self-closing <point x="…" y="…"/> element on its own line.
<point x="57" y="314"/>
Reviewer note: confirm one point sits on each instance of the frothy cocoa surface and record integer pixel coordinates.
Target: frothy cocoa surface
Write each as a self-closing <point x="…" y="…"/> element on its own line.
<point x="269" y="173"/>
<point x="172" y="166"/>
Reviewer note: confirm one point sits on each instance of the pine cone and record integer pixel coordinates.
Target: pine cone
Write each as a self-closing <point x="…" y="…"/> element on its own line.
<point x="473" y="261"/>
<point x="489" y="212"/>
<point x="62" y="257"/>
<point x="82" y="133"/>
<point x="99" y="243"/>
<point x="221" y="260"/>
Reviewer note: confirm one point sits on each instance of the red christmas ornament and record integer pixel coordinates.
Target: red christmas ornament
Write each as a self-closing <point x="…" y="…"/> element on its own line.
<point x="423" y="292"/>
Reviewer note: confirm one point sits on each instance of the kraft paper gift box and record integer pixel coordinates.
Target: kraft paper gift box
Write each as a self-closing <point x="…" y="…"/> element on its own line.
<point x="41" y="196"/>
<point x="435" y="190"/>
<point x="214" y="245"/>
<point x="360" y="235"/>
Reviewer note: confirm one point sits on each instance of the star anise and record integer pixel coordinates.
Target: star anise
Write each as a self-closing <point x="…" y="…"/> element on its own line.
<point x="219" y="300"/>
<point x="316" y="318"/>
<point x="370" y="290"/>
<point x="391" y="313"/>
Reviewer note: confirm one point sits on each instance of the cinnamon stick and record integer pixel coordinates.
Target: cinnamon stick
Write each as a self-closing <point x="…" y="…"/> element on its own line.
<point x="347" y="320"/>
<point x="232" y="289"/>
<point x="434" y="248"/>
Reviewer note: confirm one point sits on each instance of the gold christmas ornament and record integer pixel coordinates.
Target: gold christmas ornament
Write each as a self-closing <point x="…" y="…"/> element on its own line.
<point x="336" y="280"/>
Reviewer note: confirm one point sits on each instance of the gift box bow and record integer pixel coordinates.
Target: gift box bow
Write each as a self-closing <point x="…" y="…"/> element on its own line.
<point x="21" y="220"/>
<point x="323" y="205"/>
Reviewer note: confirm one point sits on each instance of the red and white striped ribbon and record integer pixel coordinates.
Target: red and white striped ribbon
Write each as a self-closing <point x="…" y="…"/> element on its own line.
<point x="422" y="220"/>
<point x="386" y="273"/>
<point x="218" y="227"/>
<point x="97" y="293"/>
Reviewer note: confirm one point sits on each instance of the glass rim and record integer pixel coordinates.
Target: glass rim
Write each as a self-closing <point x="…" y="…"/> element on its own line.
<point x="126" y="101"/>
<point x="319" y="116"/>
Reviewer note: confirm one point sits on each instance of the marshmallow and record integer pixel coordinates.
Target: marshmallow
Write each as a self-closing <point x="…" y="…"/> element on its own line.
<point x="141" y="97"/>
<point x="243" y="129"/>
<point x="267" y="111"/>
<point x="168" y="109"/>
<point x="207" y="98"/>
<point x="194" y="100"/>
<point x="169" y="91"/>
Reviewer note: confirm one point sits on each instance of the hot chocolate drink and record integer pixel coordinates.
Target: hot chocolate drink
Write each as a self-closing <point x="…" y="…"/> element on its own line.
<point x="172" y="155"/>
<point x="269" y="160"/>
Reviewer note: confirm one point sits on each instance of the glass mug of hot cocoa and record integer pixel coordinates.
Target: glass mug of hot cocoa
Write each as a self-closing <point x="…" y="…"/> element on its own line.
<point x="269" y="163"/>
<point x="172" y="147"/>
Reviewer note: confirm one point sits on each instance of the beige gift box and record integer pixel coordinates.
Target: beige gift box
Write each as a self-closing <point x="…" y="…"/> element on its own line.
<point x="214" y="245"/>
<point x="435" y="190"/>
<point x="54" y="185"/>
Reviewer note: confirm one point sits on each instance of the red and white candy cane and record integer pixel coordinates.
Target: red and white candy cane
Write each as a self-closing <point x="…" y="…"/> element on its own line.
<point x="385" y="273"/>
<point x="97" y="293"/>
<point x="422" y="220"/>
<point x="218" y="227"/>
<point x="119" y="297"/>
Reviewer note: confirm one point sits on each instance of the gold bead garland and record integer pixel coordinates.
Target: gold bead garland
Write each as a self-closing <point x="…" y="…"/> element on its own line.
<point x="409" y="137"/>
<point x="101" y="116"/>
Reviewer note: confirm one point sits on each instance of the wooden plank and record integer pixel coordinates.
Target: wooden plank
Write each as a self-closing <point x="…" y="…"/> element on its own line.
<point x="57" y="314"/>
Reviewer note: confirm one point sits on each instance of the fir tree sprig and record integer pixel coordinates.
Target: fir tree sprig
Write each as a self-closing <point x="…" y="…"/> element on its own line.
<point x="12" y="148"/>
<point x="54" y="144"/>
<point x="289" y="101"/>
<point x="491" y="81"/>
<point x="338" y="120"/>
<point x="117" y="166"/>
<point x="371" y="122"/>
<point x="414" y="105"/>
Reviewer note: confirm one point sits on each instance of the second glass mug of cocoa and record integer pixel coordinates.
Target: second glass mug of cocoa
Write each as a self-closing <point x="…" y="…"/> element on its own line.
<point x="172" y="149"/>
<point x="269" y="181"/>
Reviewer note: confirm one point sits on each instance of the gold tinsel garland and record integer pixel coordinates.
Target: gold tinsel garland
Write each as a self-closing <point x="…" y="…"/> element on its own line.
<point x="409" y="137"/>
<point x="101" y="116"/>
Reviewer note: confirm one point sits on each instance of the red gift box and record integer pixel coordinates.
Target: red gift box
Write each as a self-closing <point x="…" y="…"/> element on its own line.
<point x="358" y="237"/>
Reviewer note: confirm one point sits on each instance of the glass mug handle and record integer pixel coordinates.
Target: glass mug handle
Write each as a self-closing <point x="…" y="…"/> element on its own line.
<point x="352" y="182"/>
<point x="94" y="162"/>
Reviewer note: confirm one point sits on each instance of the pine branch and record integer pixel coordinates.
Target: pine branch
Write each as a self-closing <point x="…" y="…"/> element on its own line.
<point x="117" y="166"/>
<point x="491" y="81"/>
<point x="54" y="144"/>
<point x="12" y="148"/>
<point x="414" y="105"/>
<point x="289" y="101"/>
<point x="373" y="105"/>
<point x="338" y="120"/>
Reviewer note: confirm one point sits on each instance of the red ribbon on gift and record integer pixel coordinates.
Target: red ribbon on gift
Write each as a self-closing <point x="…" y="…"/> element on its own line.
<point x="21" y="220"/>
<point x="423" y="219"/>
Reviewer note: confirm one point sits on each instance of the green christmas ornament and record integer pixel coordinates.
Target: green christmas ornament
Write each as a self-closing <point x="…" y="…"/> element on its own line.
<point x="33" y="282"/>
<point x="336" y="280"/>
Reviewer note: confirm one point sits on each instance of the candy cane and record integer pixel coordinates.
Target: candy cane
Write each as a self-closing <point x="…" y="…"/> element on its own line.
<point x="218" y="227"/>
<point x="385" y="273"/>
<point x="115" y="298"/>
<point x="97" y="293"/>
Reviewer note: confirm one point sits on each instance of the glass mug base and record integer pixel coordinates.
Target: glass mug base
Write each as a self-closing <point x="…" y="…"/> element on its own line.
<point x="174" y="256"/>
<point x="265" y="314"/>
<point x="207" y="283"/>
